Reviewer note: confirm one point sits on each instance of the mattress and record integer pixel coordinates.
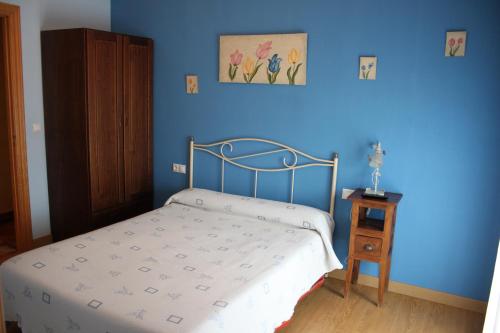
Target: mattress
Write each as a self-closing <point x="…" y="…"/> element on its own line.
<point x="205" y="262"/>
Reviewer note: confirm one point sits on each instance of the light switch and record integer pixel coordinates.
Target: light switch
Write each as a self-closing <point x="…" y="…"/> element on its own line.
<point x="37" y="127"/>
<point x="179" y="168"/>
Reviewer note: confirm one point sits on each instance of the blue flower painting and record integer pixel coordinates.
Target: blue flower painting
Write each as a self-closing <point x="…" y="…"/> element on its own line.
<point x="273" y="69"/>
<point x="367" y="68"/>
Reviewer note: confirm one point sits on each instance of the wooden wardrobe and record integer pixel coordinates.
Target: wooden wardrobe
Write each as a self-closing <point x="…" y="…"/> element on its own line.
<point x="97" y="93"/>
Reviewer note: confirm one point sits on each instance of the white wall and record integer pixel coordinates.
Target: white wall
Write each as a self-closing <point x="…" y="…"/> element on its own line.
<point x="38" y="15"/>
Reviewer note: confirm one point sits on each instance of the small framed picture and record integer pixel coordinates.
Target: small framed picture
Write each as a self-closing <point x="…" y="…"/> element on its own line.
<point x="455" y="43"/>
<point x="367" y="68"/>
<point x="191" y="84"/>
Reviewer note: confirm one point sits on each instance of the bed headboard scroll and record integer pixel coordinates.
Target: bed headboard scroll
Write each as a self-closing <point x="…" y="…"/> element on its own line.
<point x="217" y="149"/>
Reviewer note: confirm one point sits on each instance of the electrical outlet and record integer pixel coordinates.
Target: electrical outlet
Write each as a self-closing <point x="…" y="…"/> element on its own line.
<point x="179" y="168"/>
<point x="346" y="192"/>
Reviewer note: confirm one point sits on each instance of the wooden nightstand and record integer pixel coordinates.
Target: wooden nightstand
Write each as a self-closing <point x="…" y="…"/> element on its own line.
<point x="371" y="238"/>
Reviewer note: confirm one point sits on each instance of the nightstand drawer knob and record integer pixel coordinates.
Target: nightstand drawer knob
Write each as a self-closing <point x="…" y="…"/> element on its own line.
<point x="368" y="247"/>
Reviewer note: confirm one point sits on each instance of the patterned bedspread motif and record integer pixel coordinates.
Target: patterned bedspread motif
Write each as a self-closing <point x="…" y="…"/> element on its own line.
<point x="186" y="267"/>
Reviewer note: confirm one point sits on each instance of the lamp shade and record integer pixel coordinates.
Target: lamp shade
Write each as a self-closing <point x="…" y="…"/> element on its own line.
<point x="376" y="160"/>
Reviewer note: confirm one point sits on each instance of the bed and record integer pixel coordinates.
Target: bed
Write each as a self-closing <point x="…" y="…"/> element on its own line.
<point x="206" y="261"/>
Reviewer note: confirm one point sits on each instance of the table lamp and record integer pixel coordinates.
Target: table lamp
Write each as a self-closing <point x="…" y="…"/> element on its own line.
<point x="375" y="161"/>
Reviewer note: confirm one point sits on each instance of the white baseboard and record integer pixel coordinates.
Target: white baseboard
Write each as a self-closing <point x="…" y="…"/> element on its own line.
<point x="418" y="292"/>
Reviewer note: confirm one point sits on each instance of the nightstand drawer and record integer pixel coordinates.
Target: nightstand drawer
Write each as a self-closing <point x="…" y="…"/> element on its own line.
<point x="368" y="246"/>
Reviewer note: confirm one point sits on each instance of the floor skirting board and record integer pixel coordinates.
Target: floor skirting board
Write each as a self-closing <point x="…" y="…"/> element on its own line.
<point x="418" y="292"/>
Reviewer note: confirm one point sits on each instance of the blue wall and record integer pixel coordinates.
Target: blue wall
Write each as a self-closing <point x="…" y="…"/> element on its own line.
<point x="437" y="117"/>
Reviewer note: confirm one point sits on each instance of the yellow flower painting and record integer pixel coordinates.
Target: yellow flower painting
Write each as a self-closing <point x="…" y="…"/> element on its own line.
<point x="249" y="70"/>
<point x="191" y="84"/>
<point x="293" y="56"/>
<point x="293" y="59"/>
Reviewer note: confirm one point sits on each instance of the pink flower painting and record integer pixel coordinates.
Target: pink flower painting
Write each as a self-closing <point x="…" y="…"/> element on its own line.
<point x="262" y="52"/>
<point x="455" y="44"/>
<point x="234" y="61"/>
<point x="236" y="58"/>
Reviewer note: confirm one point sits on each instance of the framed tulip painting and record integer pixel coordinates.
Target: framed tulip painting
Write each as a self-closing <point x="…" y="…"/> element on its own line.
<point x="191" y="84"/>
<point x="267" y="59"/>
<point x="455" y="43"/>
<point x="367" y="68"/>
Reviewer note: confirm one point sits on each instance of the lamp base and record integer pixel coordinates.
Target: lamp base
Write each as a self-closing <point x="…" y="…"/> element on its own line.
<point x="380" y="194"/>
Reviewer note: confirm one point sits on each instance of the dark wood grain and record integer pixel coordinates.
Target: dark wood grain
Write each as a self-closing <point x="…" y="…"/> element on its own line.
<point x="138" y="146"/>
<point x="84" y="98"/>
<point x="105" y="113"/>
<point x="66" y="136"/>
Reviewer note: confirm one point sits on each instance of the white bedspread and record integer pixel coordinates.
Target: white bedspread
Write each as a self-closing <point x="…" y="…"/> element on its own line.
<point x="181" y="268"/>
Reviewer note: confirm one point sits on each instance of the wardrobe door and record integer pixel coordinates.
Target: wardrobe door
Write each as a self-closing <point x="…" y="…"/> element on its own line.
<point x="105" y="112"/>
<point x="137" y="83"/>
<point x="64" y="105"/>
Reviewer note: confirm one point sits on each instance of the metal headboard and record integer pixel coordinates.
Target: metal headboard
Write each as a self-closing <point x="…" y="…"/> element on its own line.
<point x="217" y="149"/>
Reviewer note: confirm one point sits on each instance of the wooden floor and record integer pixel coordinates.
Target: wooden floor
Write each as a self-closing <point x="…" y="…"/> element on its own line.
<point x="325" y="310"/>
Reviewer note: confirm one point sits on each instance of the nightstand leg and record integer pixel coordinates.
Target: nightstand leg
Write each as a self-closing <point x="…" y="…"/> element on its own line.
<point x="355" y="271"/>
<point x="388" y="272"/>
<point x="348" y="277"/>
<point x="382" y="281"/>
